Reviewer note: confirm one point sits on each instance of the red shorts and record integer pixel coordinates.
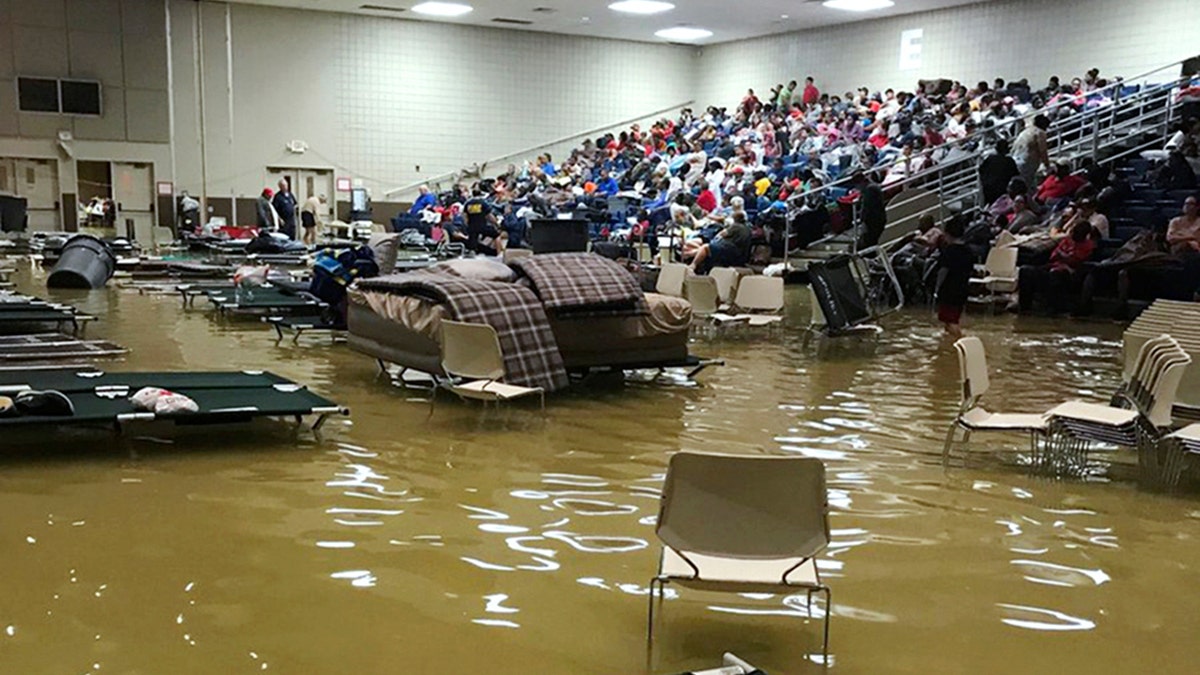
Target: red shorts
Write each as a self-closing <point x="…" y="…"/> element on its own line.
<point x="949" y="313"/>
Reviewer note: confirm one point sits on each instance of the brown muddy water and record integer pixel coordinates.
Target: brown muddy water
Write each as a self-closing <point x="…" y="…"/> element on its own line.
<point x="507" y="543"/>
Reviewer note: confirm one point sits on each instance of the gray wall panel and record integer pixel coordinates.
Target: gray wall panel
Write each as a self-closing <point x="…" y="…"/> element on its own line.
<point x="110" y="127"/>
<point x="97" y="56"/>
<point x="147" y="118"/>
<point x="94" y="15"/>
<point x="40" y="51"/>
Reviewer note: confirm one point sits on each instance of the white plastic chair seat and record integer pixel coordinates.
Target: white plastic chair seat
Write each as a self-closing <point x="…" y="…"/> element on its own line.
<point x="1189" y="434"/>
<point x="492" y="390"/>
<point x="749" y="319"/>
<point x="1095" y="413"/>
<point x="722" y="317"/>
<point x="725" y="573"/>
<point x="979" y="419"/>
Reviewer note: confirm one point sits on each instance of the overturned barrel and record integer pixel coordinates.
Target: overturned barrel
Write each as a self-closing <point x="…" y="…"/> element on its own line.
<point x="86" y="262"/>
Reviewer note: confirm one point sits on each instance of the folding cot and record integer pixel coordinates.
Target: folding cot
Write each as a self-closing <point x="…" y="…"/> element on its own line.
<point x="301" y="324"/>
<point x="19" y="310"/>
<point x="264" y="299"/>
<point x="223" y="397"/>
<point x="51" y="346"/>
<point x="189" y="292"/>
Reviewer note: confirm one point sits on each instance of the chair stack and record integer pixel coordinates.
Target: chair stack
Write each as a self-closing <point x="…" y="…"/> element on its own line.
<point x="1181" y="320"/>
<point x="1149" y="398"/>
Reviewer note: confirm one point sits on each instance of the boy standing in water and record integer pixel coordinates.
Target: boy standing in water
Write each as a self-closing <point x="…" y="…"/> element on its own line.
<point x="955" y="265"/>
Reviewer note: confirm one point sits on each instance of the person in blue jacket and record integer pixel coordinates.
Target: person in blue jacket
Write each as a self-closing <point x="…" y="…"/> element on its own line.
<point x="607" y="185"/>
<point x="427" y="200"/>
<point x="285" y="205"/>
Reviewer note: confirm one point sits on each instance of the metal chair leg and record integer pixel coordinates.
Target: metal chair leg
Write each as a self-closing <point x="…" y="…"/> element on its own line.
<point x="828" y="616"/>
<point x="949" y="444"/>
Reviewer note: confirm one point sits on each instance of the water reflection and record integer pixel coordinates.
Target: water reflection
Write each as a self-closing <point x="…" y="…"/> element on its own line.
<point x="410" y="538"/>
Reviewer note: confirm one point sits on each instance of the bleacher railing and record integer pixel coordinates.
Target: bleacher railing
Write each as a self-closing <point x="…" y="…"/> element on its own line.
<point x="1130" y="116"/>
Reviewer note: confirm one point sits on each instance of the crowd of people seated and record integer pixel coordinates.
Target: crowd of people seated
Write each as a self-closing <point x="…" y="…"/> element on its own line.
<point x="1078" y="233"/>
<point x="720" y="185"/>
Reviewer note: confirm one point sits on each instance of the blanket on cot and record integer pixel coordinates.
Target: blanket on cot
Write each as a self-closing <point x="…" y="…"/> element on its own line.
<point x="582" y="284"/>
<point x="531" y="356"/>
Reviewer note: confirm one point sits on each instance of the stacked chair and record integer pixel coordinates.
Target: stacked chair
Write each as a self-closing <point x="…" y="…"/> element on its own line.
<point x="1182" y="321"/>
<point x="1140" y="415"/>
<point x="1145" y="414"/>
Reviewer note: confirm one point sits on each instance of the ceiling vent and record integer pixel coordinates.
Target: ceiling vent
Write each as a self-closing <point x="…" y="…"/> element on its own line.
<point x="544" y="10"/>
<point x="381" y="8"/>
<point x="512" y="22"/>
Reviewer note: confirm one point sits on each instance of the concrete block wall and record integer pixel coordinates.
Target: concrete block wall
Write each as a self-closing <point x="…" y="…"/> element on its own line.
<point x="1007" y="38"/>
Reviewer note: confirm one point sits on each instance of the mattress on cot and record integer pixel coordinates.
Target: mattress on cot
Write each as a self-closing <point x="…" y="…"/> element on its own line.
<point x="405" y="330"/>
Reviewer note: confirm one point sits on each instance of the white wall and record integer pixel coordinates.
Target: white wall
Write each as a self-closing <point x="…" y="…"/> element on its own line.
<point x="121" y="44"/>
<point x="1009" y="39"/>
<point x="374" y="98"/>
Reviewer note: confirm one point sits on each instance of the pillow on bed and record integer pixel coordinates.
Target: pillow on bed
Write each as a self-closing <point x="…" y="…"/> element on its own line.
<point x="479" y="269"/>
<point x="384" y="246"/>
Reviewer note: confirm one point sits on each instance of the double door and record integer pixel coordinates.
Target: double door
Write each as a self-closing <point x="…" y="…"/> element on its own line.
<point x="37" y="181"/>
<point x="305" y="183"/>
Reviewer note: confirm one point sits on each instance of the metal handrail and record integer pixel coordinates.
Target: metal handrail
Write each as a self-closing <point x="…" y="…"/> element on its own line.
<point x="956" y="179"/>
<point x="525" y="152"/>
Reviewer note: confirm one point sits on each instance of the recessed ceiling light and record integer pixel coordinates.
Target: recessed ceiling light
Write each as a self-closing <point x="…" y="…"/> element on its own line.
<point x="858" y="5"/>
<point x="641" y="6"/>
<point x="685" y="33"/>
<point x="442" y="8"/>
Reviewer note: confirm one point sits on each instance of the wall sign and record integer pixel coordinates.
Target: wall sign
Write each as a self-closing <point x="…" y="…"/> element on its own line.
<point x="910" y="48"/>
<point x="166" y="188"/>
<point x="343" y="185"/>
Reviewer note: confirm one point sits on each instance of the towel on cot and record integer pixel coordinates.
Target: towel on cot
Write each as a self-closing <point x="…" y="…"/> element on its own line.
<point x="582" y="284"/>
<point x="531" y="356"/>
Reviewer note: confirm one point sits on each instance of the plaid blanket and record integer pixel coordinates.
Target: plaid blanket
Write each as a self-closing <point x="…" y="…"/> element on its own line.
<point x="582" y="283"/>
<point x="531" y="356"/>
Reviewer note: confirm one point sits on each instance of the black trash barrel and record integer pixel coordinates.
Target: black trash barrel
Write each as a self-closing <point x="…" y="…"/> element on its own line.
<point x="86" y="262"/>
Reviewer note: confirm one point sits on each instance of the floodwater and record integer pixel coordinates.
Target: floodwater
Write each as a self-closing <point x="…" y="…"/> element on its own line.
<point x="507" y="543"/>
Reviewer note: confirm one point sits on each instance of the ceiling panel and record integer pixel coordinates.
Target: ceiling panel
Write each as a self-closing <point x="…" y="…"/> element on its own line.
<point x="728" y="19"/>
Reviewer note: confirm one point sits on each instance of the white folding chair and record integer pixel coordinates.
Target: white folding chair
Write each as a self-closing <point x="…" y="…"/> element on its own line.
<point x="759" y="299"/>
<point x="743" y="524"/>
<point x="972" y="416"/>
<point x="670" y="279"/>
<point x="474" y="364"/>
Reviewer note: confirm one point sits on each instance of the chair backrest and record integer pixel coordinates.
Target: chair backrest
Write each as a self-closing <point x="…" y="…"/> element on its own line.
<point x="702" y="293"/>
<point x="1163" y="398"/>
<point x="761" y="293"/>
<point x="511" y="254"/>
<point x="973" y="370"/>
<point x="1002" y="262"/>
<point x="163" y="236"/>
<point x="1005" y="238"/>
<point x="1153" y="357"/>
<point x="727" y="281"/>
<point x="471" y="350"/>
<point x="749" y="507"/>
<point x="670" y="279"/>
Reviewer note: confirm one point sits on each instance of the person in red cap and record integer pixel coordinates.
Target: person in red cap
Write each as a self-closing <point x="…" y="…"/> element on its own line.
<point x="267" y="218"/>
